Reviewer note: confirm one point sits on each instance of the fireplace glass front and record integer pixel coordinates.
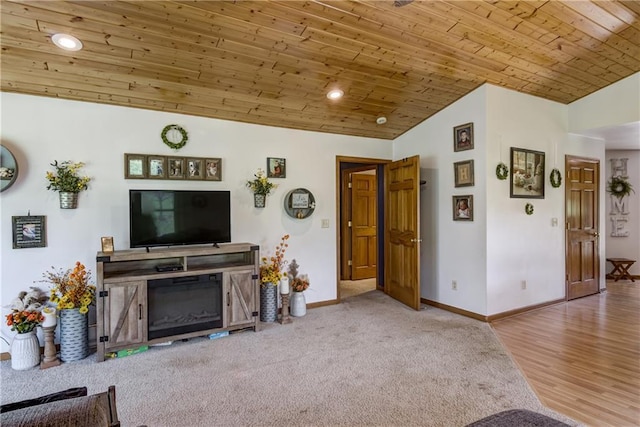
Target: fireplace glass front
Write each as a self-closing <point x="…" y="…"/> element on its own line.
<point x="182" y="305"/>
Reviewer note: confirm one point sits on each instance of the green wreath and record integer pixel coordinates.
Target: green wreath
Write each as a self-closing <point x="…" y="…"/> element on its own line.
<point x="528" y="208"/>
<point x="555" y="178"/>
<point x="502" y="171"/>
<point x="174" y="145"/>
<point x="619" y="187"/>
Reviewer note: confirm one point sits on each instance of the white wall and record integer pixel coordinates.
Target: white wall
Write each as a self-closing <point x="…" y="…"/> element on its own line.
<point x="616" y="104"/>
<point x="491" y="256"/>
<point x="451" y="250"/>
<point x="40" y="130"/>
<point x="624" y="247"/>
<point x="520" y="246"/>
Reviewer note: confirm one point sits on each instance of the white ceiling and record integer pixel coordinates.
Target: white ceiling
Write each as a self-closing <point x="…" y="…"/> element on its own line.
<point x="621" y="137"/>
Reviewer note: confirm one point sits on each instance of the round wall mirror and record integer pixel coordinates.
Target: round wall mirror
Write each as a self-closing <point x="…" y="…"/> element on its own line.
<point x="8" y="168"/>
<point x="299" y="203"/>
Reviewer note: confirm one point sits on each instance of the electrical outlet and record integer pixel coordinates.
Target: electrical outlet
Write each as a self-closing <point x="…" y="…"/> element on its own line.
<point x="523" y="285"/>
<point x="454" y="285"/>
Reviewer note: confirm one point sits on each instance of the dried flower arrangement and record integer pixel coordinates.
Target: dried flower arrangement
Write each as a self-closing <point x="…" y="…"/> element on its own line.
<point x="26" y="311"/>
<point x="297" y="283"/>
<point x="271" y="269"/>
<point x="71" y="288"/>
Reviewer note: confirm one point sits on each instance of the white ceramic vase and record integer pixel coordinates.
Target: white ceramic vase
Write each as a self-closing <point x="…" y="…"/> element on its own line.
<point x="298" y="304"/>
<point x="25" y="351"/>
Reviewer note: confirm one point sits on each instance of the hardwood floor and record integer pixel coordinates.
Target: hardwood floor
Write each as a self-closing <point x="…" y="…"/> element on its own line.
<point x="582" y="358"/>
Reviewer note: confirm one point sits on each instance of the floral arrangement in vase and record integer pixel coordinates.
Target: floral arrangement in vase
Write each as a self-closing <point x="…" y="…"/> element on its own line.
<point x="261" y="184"/>
<point x="26" y="311"/>
<point x="297" y="283"/>
<point x="66" y="178"/>
<point x="271" y="269"/>
<point x="71" y="288"/>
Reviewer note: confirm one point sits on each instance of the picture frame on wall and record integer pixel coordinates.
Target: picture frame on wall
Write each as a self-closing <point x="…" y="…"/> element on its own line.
<point x="29" y="232"/>
<point x="135" y="166"/>
<point x="463" y="208"/>
<point x="527" y="174"/>
<point x="157" y="167"/>
<point x="213" y="169"/>
<point x="463" y="173"/>
<point x="175" y="168"/>
<point x="276" y="167"/>
<point x="195" y="168"/>
<point x="463" y="137"/>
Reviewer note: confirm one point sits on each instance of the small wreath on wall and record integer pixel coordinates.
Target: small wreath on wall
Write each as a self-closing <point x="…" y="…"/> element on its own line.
<point x="556" y="178"/>
<point x="619" y="187"/>
<point x="502" y="171"/>
<point x="528" y="208"/>
<point x="173" y="144"/>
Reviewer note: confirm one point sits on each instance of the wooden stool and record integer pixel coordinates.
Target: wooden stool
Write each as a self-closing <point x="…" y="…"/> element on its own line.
<point x="620" y="268"/>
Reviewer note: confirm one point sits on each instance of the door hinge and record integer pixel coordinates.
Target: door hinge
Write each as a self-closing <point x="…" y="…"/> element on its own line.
<point x="568" y="225"/>
<point x="255" y="276"/>
<point x="349" y="185"/>
<point x="254" y="314"/>
<point x="349" y="224"/>
<point x="104" y="338"/>
<point x="349" y="262"/>
<point x="103" y="294"/>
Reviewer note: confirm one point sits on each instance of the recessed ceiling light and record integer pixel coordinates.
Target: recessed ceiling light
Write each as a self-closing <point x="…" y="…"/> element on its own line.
<point x="335" y="94"/>
<point x="381" y="120"/>
<point x="66" y="42"/>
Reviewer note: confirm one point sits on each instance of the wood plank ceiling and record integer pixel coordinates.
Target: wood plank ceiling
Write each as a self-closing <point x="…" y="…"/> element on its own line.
<point x="272" y="62"/>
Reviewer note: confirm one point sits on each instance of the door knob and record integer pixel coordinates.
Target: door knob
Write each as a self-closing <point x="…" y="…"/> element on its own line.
<point x="595" y="233"/>
<point x="416" y="240"/>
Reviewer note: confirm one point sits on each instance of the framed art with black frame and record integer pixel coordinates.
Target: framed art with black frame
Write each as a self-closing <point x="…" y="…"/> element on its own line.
<point x="527" y="174"/>
<point x="29" y="232"/>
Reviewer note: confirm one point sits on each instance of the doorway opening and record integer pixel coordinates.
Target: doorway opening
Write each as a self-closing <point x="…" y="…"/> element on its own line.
<point x="360" y="213"/>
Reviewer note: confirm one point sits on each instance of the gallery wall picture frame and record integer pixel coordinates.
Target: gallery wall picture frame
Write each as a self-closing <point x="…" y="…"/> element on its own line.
<point x="175" y="168"/>
<point x="463" y="173"/>
<point x="276" y="167"/>
<point x="463" y="137"/>
<point x="156" y="167"/>
<point x="463" y="207"/>
<point x="213" y="169"/>
<point x="299" y="203"/>
<point x="195" y="168"/>
<point x="527" y="174"/>
<point x="135" y="166"/>
<point x="29" y="231"/>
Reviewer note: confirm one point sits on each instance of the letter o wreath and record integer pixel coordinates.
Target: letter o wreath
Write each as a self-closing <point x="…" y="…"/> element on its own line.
<point x="502" y="171"/>
<point x="528" y="208"/>
<point x="174" y="145"/>
<point x="556" y="178"/>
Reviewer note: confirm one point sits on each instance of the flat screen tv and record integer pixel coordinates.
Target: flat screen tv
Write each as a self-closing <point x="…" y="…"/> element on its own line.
<point x="177" y="217"/>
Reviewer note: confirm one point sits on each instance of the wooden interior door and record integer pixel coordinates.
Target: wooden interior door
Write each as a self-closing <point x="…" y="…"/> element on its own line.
<point x="582" y="225"/>
<point x="402" y="231"/>
<point x="364" y="222"/>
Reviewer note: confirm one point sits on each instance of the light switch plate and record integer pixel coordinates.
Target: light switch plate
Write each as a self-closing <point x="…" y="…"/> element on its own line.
<point x="325" y="223"/>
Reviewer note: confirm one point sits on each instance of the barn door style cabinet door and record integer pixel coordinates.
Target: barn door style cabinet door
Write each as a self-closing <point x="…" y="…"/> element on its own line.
<point x="242" y="300"/>
<point x="166" y="294"/>
<point x="124" y="314"/>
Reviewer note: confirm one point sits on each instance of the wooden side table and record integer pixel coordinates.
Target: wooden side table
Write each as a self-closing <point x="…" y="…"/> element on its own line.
<point x="620" y="268"/>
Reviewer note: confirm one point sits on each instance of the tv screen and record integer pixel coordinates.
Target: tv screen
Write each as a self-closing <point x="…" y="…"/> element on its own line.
<point x="173" y="217"/>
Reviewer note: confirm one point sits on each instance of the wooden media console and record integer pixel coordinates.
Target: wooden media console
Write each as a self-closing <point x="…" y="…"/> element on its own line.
<point x="139" y="294"/>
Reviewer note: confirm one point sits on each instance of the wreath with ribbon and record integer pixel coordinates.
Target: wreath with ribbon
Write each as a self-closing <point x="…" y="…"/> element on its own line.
<point x="174" y="145"/>
<point x="556" y="178"/>
<point x="619" y="187"/>
<point x="528" y="208"/>
<point x="502" y="171"/>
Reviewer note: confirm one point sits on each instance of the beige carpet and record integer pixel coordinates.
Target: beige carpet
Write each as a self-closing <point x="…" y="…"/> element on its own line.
<point x="367" y="361"/>
<point x="350" y="288"/>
